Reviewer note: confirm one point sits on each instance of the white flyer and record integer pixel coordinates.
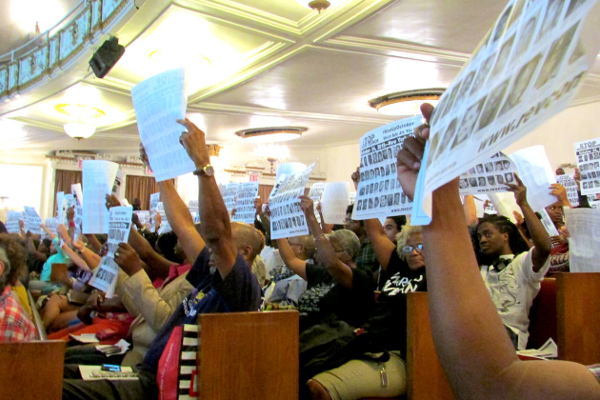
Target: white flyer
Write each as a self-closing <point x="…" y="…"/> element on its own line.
<point x="244" y="203"/>
<point x="570" y="184"/>
<point x="77" y="192"/>
<point x="526" y="70"/>
<point x="588" y="162"/>
<point x="105" y="275"/>
<point x="154" y="199"/>
<point x="51" y="224"/>
<point x="335" y="201"/>
<point x="12" y="221"/>
<point x="583" y="225"/>
<point x="228" y="192"/>
<point x="489" y="176"/>
<point x="98" y="181"/>
<point x="159" y="101"/>
<point x="315" y="193"/>
<point x="32" y="221"/>
<point x="61" y="207"/>
<point x="537" y="175"/>
<point x="379" y="193"/>
<point x="287" y="218"/>
<point x="164" y="224"/>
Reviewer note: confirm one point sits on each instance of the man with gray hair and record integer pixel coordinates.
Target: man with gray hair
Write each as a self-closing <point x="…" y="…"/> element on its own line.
<point x="15" y="325"/>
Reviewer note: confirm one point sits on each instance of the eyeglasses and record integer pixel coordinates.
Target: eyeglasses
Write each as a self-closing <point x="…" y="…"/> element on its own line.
<point x="410" y="249"/>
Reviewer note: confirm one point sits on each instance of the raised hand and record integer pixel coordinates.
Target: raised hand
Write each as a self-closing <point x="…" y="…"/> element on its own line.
<point x="355" y="178"/>
<point x="194" y="142"/>
<point x="408" y="159"/>
<point x="519" y="190"/>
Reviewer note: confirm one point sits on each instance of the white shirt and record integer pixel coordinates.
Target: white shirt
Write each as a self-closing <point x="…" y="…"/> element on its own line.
<point x="513" y="290"/>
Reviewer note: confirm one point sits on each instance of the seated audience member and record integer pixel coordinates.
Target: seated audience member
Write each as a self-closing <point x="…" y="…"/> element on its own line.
<point x="231" y="287"/>
<point x="474" y="350"/>
<point x="17" y="255"/>
<point x="262" y="221"/>
<point x="512" y="272"/>
<point x="336" y="287"/>
<point x="365" y="258"/>
<point x="403" y="271"/>
<point x="15" y="325"/>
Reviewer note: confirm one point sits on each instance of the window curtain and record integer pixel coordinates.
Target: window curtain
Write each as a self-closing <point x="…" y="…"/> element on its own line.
<point x="141" y="187"/>
<point x="63" y="179"/>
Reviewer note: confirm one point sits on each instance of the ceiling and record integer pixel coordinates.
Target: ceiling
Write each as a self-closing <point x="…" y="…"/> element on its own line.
<point x="261" y="63"/>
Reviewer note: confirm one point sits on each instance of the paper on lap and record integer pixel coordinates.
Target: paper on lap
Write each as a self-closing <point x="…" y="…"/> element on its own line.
<point x="379" y="193"/>
<point x="526" y="70"/>
<point x="335" y="200"/>
<point x="287" y="218"/>
<point x="158" y="102"/>
<point x="244" y="203"/>
<point x="106" y="274"/>
<point x="536" y="174"/>
<point x="588" y="162"/>
<point x="98" y="181"/>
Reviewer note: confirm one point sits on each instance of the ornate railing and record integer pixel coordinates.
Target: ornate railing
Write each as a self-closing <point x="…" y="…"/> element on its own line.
<point x="53" y="49"/>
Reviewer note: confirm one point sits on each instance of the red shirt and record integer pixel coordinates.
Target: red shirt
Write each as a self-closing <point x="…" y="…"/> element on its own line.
<point x="15" y="325"/>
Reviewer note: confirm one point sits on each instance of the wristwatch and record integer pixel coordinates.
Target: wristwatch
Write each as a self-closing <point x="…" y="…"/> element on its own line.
<point x="207" y="170"/>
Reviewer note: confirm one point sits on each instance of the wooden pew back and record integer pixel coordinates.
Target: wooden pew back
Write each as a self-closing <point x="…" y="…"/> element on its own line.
<point x="578" y="311"/>
<point x="32" y="370"/>
<point x="250" y="356"/>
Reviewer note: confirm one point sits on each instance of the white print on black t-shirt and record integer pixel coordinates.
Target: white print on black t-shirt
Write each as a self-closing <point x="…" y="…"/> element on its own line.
<point x="399" y="284"/>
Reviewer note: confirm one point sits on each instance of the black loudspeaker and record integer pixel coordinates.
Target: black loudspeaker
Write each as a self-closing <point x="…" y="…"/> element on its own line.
<point x="106" y="57"/>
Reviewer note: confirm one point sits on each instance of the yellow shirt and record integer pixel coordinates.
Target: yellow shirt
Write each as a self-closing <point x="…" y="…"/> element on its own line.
<point x="21" y="293"/>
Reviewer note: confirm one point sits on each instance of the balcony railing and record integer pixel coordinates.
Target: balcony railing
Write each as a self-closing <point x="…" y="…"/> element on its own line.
<point x="29" y="64"/>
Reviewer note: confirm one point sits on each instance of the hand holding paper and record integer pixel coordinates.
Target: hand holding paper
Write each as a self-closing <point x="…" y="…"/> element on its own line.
<point x="519" y="190"/>
<point x="194" y="142"/>
<point x="409" y="157"/>
<point x="127" y="258"/>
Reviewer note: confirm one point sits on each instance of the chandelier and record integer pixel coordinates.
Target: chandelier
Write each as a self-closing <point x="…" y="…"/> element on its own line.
<point x="272" y="153"/>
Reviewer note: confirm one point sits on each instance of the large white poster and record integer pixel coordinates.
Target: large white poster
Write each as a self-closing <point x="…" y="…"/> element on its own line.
<point x="287" y="218"/>
<point x="584" y="241"/>
<point x="570" y="184"/>
<point x="379" y="193"/>
<point x="98" y="181"/>
<point x="588" y="162"/>
<point x="159" y="101"/>
<point x="526" y="70"/>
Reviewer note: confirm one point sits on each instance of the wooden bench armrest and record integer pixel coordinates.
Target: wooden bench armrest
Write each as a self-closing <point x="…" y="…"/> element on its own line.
<point x="249" y="355"/>
<point x="32" y="370"/>
<point x="424" y="375"/>
<point x="37" y="320"/>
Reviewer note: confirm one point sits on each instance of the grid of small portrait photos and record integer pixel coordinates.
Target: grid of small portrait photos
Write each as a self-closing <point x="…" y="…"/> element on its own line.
<point x="287" y="218"/>
<point x="588" y="162"/>
<point x="379" y="192"/>
<point x="526" y="69"/>
<point x="570" y="185"/>
<point x="489" y="176"/>
<point x="244" y="202"/>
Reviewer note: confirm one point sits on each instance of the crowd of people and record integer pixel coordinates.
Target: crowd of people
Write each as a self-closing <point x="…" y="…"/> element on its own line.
<point x="349" y="284"/>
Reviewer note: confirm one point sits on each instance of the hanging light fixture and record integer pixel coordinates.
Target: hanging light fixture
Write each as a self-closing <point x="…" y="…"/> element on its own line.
<point x="319" y="5"/>
<point x="407" y="102"/>
<point x="271" y="134"/>
<point x="79" y="130"/>
<point x="272" y="153"/>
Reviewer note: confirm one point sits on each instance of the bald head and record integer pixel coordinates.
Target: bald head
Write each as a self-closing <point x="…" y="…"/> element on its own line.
<point x="248" y="241"/>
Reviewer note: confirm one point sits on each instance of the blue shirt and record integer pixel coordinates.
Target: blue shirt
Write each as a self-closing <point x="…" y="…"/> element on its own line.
<point x="59" y="258"/>
<point x="238" y="291"/>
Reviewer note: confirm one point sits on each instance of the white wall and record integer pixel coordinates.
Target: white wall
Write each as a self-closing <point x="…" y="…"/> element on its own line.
<point x="560" y="133"/>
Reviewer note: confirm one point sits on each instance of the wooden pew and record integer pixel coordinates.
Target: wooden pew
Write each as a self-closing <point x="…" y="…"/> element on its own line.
<point x="250" y="356"/>
<point x="31" y="370"/>
<point x="578" y="312"/>
<point x="37" y="320"/>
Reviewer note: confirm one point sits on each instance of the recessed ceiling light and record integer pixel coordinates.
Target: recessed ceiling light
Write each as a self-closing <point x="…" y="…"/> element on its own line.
<point x="271" y="134"/>
<point x="407" y="102"/>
